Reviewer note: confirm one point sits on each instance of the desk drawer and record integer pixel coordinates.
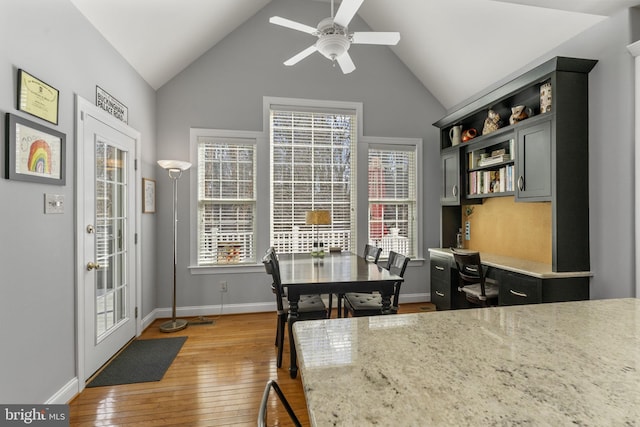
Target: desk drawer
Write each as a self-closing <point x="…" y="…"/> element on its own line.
<point x="441" y="295"/>
<point x="519" y="289"/>
<point x="441" y="286"/>
<point x="440" y="269"/>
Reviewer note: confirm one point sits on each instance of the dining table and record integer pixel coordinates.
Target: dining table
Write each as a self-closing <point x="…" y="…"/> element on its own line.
<point x="333" y="273"/>
<point x="552" y="364"/>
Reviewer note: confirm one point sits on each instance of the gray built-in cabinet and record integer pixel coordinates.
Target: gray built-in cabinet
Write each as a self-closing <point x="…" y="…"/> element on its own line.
<point x="545" y="159"/>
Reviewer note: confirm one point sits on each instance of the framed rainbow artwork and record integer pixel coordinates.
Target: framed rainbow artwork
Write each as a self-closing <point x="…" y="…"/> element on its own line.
<point x="34" y="152"/>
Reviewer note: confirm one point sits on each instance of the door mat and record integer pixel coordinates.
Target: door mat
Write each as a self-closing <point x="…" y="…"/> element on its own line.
<point x="142" y="361"/>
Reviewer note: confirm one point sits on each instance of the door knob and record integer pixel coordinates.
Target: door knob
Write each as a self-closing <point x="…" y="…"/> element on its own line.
<point x="92" y="266"/>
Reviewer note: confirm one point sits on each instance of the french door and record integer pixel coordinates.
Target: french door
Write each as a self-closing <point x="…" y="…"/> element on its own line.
<point x="107" y="226"/>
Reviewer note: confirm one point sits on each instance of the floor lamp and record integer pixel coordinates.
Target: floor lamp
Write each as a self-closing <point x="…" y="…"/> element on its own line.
<point x="175" y="169"/>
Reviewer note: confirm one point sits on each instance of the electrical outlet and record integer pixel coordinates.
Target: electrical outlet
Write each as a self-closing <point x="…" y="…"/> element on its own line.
<point x="223" y="286"/>
<point x="467" y="230"/>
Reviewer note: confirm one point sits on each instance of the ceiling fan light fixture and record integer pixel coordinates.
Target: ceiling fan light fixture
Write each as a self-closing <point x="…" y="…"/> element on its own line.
<point x="333" y="46"/>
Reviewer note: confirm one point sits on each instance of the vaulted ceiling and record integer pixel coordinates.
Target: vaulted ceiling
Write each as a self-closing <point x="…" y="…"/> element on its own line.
<point x="456" y="48"/>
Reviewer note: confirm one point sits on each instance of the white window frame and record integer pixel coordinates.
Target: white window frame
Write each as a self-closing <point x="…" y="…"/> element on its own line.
<point x="195" y="133"/>
<point x="276" y="103"/>
<point x="263" y="184"/>
<point x="405" y="144"/>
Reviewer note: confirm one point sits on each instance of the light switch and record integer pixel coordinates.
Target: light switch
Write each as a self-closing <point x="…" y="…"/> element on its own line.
<point x="53" y="203"/>
<point x="467" y="230"/>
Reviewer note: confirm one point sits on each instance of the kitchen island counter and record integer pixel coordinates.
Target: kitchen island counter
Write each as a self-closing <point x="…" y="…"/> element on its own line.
<point x="542" y="364"/>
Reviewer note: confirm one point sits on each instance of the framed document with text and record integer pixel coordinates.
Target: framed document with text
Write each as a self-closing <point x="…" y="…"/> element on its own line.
<point x="37" y="98"/>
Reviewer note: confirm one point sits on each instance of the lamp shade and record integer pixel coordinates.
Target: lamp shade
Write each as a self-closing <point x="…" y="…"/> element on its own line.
<point x="174" y="164"/>
<point x="318" y="217"/>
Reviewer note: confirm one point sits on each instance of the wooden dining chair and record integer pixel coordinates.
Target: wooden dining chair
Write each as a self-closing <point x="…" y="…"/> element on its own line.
<point x="478" y="289"/>
<point x="371" y="254"/>
<point x="310" y="307"/>
<point x="370" y="304"/>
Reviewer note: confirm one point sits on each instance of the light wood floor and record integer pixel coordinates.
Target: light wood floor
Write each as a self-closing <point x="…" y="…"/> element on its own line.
<point x="217" y="379"/>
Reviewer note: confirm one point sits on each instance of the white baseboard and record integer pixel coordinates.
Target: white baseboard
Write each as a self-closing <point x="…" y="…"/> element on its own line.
<point x="65" y="394"/>
<point x="415" y="298"/>
<point x="258" y="307"/>
<point x="208" y="310"/>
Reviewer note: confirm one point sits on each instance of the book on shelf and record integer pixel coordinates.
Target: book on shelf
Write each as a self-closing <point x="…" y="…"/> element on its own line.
<point x="488" y="161"/>
<point x="487" y="182"/>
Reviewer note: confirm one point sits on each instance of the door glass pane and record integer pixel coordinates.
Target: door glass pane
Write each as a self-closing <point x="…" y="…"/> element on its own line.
<point x="111" y="230"/>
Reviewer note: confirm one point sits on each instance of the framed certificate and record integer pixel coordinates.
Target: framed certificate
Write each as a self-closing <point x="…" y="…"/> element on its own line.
<point x="37" y="98"/>
<point x="34" y="152"/>
<point x="148" y="195"/>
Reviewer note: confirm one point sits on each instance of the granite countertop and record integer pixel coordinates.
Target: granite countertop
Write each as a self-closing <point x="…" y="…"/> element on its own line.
<point x="569" y="363"/>
<point x="518" y="265"/>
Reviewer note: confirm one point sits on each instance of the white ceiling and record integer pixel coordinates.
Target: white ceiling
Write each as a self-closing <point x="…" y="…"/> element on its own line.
<point x="456" y="48"/>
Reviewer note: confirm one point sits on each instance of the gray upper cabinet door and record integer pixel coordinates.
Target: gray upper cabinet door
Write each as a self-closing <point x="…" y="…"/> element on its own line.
<point x="450" y="164"/>
<point x="533" y="162"/>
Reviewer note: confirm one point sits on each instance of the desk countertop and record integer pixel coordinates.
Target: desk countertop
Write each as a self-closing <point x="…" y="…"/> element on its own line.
<point x="517" y="265"/>
<point x="570" y="363"/>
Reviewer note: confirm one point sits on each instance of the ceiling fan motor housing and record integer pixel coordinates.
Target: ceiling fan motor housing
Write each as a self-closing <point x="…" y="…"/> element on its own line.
<point x="333" y="39"/>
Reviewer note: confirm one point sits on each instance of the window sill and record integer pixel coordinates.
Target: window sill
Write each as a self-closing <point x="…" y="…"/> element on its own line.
<point x="226" y="269"/>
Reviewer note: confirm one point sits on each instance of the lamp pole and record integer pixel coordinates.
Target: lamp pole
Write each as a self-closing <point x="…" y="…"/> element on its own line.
<point x="175" y="169"/>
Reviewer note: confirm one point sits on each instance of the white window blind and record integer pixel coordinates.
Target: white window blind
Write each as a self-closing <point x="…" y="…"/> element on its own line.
<point x="226" y="200"/>
<point x="393" y="199"/>
<point x="312" y="167"/>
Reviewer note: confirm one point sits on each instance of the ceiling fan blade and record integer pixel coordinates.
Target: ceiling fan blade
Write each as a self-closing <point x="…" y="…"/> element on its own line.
<point x="284" y="22"/>
<point x="300" y="56"/>
<point x="374" y="37"/>
<point x="345" y="62"/>
<point x="346" y="12"/>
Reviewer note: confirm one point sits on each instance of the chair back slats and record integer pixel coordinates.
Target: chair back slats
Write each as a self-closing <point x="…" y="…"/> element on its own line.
<point x="272" y="267"/>
<point x="470" y="269"/>
<point x="397" y="265"/>
<point x="372" y="253"/>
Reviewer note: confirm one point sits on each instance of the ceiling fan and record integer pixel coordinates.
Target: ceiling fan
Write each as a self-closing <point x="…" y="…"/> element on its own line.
<point x="334" y="39"/>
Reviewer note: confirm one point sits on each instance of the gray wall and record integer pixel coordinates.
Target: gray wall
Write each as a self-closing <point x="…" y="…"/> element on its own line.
<point x="53" y="41"/>
<point x="224" y="89"/>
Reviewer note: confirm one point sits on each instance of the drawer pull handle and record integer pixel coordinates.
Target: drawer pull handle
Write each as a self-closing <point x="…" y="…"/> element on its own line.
<point x="439" y="268"/>
<point x="518" y="294"/>
<point x="440" y="294"/>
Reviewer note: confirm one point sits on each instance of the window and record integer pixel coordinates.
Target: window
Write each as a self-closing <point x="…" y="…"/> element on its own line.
<point x="226" y="194"/>
<point x="312" y="168"/>
<point x="393" y="198"/>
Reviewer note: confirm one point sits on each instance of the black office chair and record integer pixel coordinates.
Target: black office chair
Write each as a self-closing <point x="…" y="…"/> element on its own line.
<point x="262" y="414"/>
<point x="478" y="289"/>
<point x="370" y="304"/>
<point x="310" y="307"/>
<point x="371" y="254"/>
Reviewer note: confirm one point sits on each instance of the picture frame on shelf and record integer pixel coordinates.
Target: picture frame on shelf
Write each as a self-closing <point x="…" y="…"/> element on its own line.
<point x="148" y="195"/>
<point x="34" y="152"/>
<point x="37" y="98"/>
